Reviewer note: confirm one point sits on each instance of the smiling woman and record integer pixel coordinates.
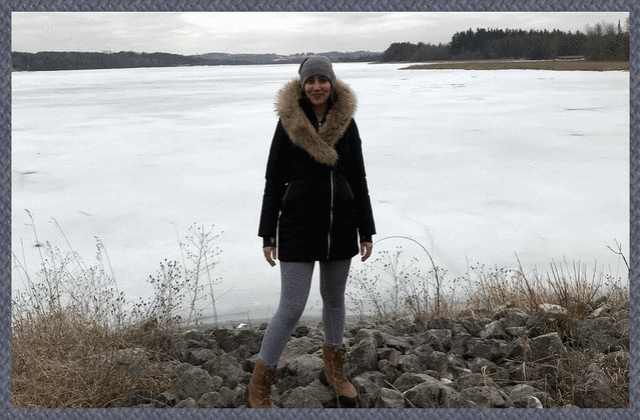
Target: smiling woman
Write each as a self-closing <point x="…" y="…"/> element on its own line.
<point x="315" y="206"/>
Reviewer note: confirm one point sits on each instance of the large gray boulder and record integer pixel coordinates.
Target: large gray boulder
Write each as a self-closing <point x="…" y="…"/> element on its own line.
<point x="486" y="397"/>
<point x="389" y="398"/>
<point x="193" y="383"/>
<point x="545" y="347"/>
<point x="432" y="393"/>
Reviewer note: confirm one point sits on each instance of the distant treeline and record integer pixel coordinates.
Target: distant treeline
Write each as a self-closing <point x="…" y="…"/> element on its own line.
<point x="84" y="60"/>
<point x="44" y="61"/>
<point x="603" y="42"/>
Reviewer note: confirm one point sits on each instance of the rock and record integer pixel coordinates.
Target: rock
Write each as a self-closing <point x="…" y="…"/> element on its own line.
<point x="492" y="349"/>
<point x="232" y="340"/>
<point x="211" y="400"/>
<point x="486" y="397"/>
<point x="301" y="331"/>
<point x="460" y="344"/>
<point x="299" y="346"/>
<point x="439" y="340"/>
<point x="370" y="333"/>
<point x="473" y="380"/>
<point x="391" y="373"/>
<point x="480" y="365"/>
<point x="409" y="380"/>
<point x="389" y="398"/>
<point x="595" y="388"/>
<point x="228" y="396"/>
<point x="410" y="363"/>
<point x="323" y="393"/>
<point x="516" y="331"/>
<point x="392" y="355"/>
<point x="519" y="348"/>
<point x="238" y="396"/>
<point x="306" y="368"/>
<point x="368" y="391"/>
<point x="377" y="378"/>
<point x="508" y="360"/>
<point x="396" y="342"/>
<point x="471" y="326"/>
<point x="511" y="317"/>
<point x="199" y="356"/>
<point x="193" y="383"/>
<point x="443" y="324"/>
<point x="228" y="368"/>
<point x="551" y="310"/>
<point x="187" y="403"/>
<point x="167" y="398"/>
<point x="543" y="372"/>
<point x="300" y="398"/>
<point x="431" y="393"/>
<point x="545" y="347"/>
<point x="595" y="333"/>
<point x="494" y="330"/>
<point x="438" y="362"/>
<point x="362" y="357"/>
<point x="195" y="335"/>
<point x="524" y="396"/>
<point x="600" y="302"/>
<point x="423" y="352"/>
<point x="499" y="373"/>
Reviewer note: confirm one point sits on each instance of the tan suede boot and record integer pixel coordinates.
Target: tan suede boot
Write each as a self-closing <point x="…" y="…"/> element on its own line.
<point x="333" y="375"/>
<point x="260" y="385"/>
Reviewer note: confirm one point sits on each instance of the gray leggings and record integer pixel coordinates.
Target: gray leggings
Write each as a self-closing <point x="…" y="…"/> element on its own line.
<point x="296" y="283"/>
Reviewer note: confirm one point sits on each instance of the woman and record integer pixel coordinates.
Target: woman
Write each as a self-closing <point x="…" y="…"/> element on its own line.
<point x="315" y="205"/>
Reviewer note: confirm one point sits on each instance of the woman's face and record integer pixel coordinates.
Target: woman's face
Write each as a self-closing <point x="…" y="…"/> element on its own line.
<point x="317" y="90"/>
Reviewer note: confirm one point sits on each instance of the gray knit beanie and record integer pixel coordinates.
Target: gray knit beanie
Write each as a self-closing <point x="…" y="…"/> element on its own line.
<point x="316" y="65"/>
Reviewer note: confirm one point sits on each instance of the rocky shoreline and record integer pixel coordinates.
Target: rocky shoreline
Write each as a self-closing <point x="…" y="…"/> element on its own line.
<point x="503" y="359"/>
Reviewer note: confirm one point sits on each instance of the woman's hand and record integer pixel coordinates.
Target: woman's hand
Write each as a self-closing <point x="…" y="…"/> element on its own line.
<point x="365" y="250"/>
<point x="270" y="254"/>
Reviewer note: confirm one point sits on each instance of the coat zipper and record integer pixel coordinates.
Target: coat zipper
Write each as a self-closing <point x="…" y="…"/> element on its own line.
<point x="330" y="215"/>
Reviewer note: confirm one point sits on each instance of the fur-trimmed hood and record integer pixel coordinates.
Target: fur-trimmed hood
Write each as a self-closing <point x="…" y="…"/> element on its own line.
<point x="320" y="145"/>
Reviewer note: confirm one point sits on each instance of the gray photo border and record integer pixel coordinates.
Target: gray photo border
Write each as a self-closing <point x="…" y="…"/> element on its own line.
<point x="303" y="5"/>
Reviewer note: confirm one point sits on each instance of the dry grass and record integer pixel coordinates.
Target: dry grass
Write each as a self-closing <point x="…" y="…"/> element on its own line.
<point x="390" y="287"/>
<point x="575" y="289"/>
<point x="79" y="343"/>
<point x="570" y="387"/>
<point x="65" y="361"/>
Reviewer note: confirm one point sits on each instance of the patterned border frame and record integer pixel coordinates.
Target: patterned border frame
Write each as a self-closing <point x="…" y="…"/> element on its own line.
<point x="305" y="5"/>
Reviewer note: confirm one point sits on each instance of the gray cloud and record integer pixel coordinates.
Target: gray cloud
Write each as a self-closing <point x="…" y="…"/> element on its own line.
<point x="265" y="32"/>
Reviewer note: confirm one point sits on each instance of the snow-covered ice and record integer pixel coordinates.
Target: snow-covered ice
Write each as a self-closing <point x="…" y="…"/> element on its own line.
<point x="478" y="166"/>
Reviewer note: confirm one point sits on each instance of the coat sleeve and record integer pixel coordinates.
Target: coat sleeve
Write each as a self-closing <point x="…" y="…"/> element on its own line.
<point x="276" y="176"/>
<point x="358" y="181"/>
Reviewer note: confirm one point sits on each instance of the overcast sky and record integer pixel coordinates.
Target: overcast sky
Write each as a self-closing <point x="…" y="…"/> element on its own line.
<point x="266" y="32"/>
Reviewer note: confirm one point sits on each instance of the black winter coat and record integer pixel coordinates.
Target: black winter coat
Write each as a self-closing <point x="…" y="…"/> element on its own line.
<point x="316" y="199"/>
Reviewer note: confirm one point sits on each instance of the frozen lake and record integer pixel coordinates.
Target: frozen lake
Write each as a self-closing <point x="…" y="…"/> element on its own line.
<point x="477" y="166"/>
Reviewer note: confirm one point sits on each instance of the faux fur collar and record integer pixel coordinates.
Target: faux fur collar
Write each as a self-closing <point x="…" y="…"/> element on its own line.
<point x="320" y="145"/>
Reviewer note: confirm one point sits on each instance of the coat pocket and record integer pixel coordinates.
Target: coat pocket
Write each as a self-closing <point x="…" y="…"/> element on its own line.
<point x="345" y="205"/>
<point x="285" y="195"/>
